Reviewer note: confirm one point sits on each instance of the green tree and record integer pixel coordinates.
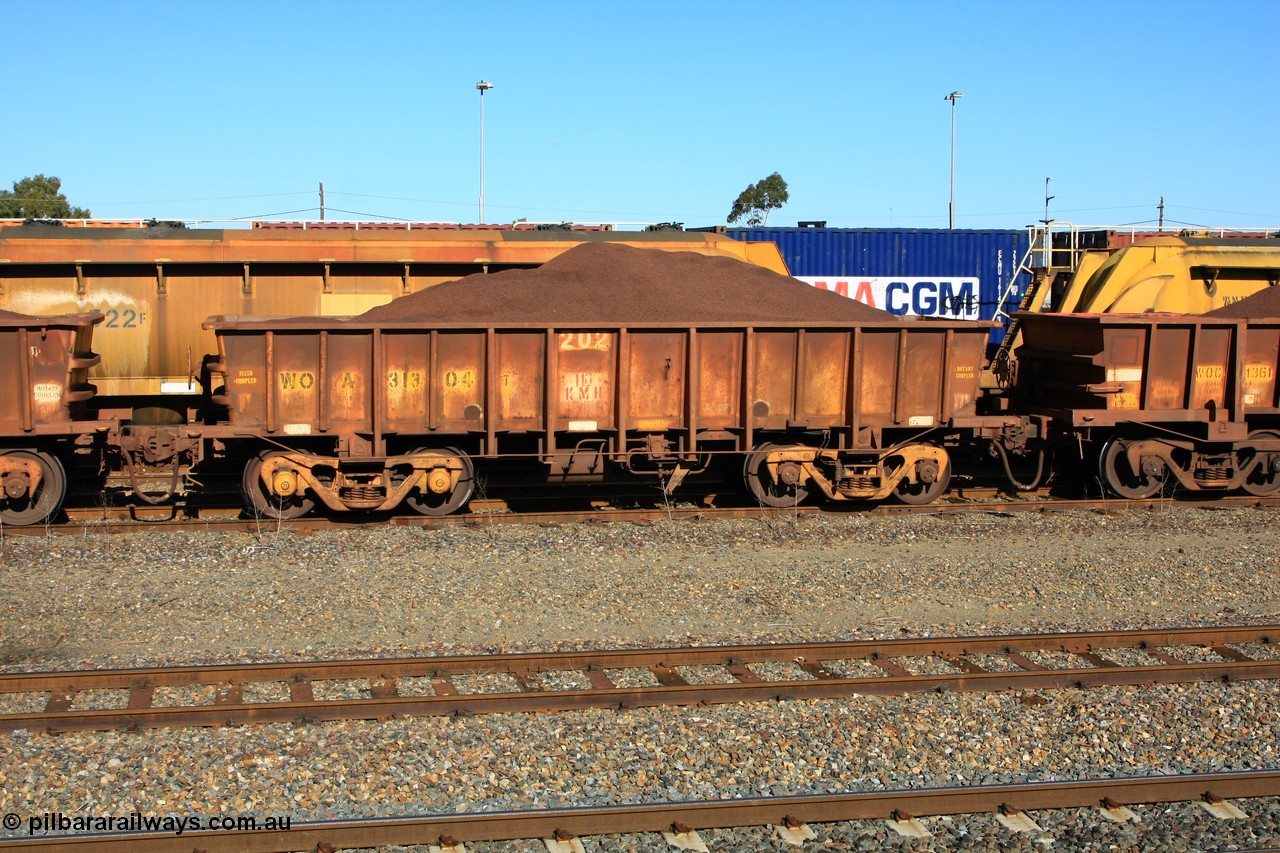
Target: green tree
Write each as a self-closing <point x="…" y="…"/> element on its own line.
<point x="38" y="198"/>
<point x="757" y="200"/>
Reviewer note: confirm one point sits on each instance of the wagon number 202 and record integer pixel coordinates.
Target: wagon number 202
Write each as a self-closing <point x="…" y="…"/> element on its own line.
<point x="584" y="341"/>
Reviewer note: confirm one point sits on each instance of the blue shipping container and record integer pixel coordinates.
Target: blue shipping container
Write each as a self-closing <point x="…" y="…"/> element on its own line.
<point x="929" y="272"/>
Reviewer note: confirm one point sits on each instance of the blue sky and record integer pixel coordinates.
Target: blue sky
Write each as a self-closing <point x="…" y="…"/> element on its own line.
<point x="650" y="112"/>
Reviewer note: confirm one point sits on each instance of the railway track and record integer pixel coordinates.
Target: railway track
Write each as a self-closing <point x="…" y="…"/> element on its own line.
<point x="904" y="807"/>
<point x="241" y="694"/>
<point x="81" y="521"/>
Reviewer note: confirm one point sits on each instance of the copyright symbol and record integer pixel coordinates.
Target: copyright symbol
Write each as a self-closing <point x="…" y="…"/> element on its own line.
<point x="12" y="821"/>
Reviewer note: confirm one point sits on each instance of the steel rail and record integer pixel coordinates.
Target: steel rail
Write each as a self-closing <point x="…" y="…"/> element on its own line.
<point x="740" y="684"/>
<point x="96" y="520"/>
<point x="664" y="817"/>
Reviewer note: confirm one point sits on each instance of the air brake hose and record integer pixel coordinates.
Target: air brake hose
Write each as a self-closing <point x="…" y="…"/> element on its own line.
<point x="1008" y="472"/>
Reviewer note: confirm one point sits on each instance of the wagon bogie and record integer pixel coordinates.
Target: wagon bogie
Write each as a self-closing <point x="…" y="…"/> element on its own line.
<point x="287" y="483"/>
<point x="784" y="475"/>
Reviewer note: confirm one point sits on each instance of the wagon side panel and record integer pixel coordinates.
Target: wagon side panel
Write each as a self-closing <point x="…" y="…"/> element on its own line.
<point x="458" y="380"/>
<point x="773" y="387"/>
<point x="824" y="366"/>
<point x="297" y="377"/>
<point x="347" y="401"/>
<point x="875" y="367"/>
<point x="656" y="385"/>
<point x="244" y="357"/>
<point x="719" y="400"/>
<point x="404" y="381"/>
<point x="520" y="380"/>
<point x="1261" y="391"/>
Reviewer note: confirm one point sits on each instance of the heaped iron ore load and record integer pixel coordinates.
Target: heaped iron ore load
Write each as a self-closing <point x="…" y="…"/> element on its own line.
<point x="378" y="411"/>
<point x="613" y="283"/>
<point x="1264" y="303"/>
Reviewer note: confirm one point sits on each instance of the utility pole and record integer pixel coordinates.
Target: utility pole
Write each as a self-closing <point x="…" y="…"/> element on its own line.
<point x="1048" y="241"/>
<point x="322" y="201"/>
<point x="1161" y="213"/>
<point x="483" y="86"/>
<point x="951" y="208"/>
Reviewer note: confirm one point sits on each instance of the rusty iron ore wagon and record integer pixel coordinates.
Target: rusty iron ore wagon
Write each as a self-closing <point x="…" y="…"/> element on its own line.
<point x="1165" y="400"/>
<point x="365" y="417"/>
<point x="360" y="416"/>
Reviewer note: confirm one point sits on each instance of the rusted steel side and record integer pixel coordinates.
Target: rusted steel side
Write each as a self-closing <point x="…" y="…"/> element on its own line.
<point x="771" y="403"/>
<point x="324" y="405"/>
<point x="269" y="378"/>
<point x="491" y="381"/>
<point x="717" y="400"/>
<point x="347" y="387"/>
<point x="586" y="378"/>
<point x="549" y="406"/>
<point x="298" y="375"/>
<point x="967" y="354"/>
<point x="655" y="386"/>
<point x="26" y="415"/>
<point x="433" y="404"/>
<point x="519" y="376"/>
<point x="459" y="381"/>
<point x="693" y="387"/>
<point x="404" y="386"/>
<point x="415" y="380"/>
<point x="1257" y="371"/>
<point x="44" y="366"/>
<point x="748" y="382"/>
<point x="876" y="368"/>
<point x="946" y="400"/>
<point x="854" y="404"/>
<point x="1107" y="369"/>
<point x="823" y="366"/>
<point x="622" y="400"/>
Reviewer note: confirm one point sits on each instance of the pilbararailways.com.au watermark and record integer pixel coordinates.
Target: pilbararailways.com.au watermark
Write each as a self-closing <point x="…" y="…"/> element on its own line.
<point x="45" y="823"/>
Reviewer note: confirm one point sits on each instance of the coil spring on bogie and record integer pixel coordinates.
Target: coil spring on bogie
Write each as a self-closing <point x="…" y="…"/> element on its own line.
<point x="1213" y="474"/>
<point x="362" y="493"/>
<point x="857" y="484"/>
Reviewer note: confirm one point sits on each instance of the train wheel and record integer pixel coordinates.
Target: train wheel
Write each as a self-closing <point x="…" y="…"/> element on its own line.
<point x="19" y="506"/>
<point x="429" y="502"/>
<point x="790" y="489"/>
<point x="1120" y="477"/>
<point x="270" y="504"/>
<point x="1265" y="480"/>
<point x="931" y="481"/>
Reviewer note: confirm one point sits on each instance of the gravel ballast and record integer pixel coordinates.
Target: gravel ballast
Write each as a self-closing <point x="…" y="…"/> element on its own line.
<point x="172" y="599"/>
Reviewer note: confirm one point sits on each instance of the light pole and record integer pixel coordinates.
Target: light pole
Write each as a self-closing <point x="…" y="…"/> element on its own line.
<point x="951" y="209"/>
<point x="483" y="85"/>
